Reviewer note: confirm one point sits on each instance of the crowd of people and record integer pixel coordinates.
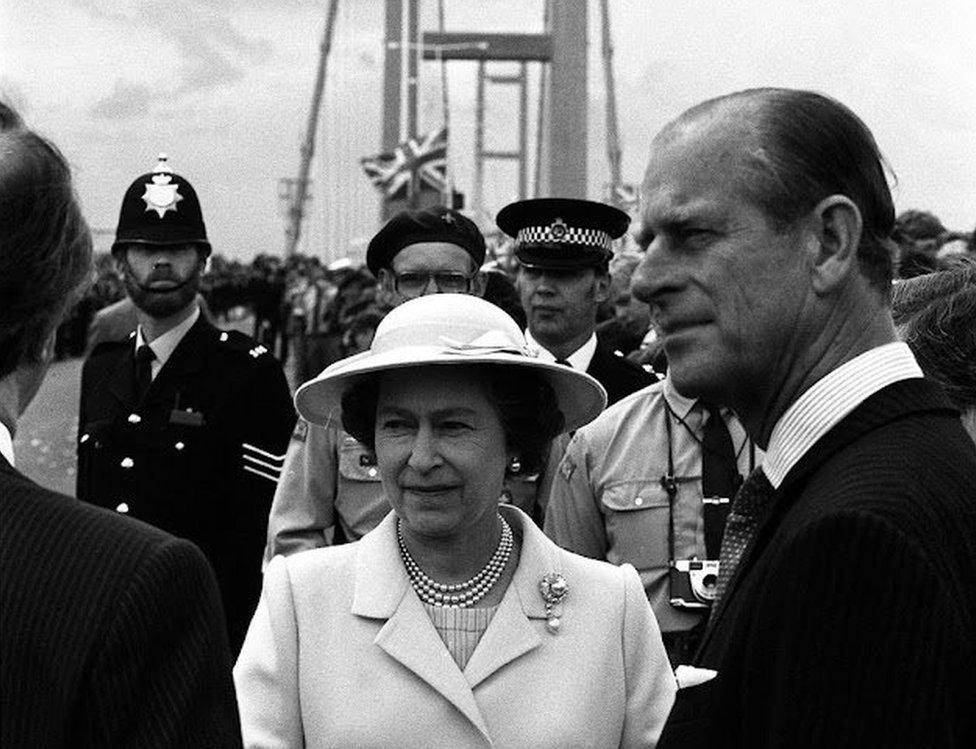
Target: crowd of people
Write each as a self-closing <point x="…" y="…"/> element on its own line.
<point x="699" y="478"/>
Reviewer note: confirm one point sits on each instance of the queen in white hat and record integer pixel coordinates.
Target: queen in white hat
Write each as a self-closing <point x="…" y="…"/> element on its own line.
<point x="455" y="622"/>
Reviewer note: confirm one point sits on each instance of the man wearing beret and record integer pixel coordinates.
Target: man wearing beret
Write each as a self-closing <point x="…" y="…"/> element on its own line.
<point x="564" y="248"/>
<point x="330" y="489"/>
<point x="182" y="425"/>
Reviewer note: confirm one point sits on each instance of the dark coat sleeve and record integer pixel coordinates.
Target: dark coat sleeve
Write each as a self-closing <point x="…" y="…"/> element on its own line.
<point x="161" y="675"/>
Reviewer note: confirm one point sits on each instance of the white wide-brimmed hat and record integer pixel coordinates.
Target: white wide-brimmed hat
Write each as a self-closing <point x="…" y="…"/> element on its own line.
<point x="445" y="330"/>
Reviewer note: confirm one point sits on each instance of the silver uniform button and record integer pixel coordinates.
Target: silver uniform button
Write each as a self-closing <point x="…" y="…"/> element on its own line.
<point x="122" y="507"/>
<point x="372" y="473"/>
<point x="179" y="445"/>
<point x="639" y="501"/>
<point x="134" y="418"/>
<point x="127" y="463"/>
<point x="84" y="438"/>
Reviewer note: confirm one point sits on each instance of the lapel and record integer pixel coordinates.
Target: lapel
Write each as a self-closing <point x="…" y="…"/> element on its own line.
<point x="382" y="591"/>
<point x="510" y="634"/>
<point x="186" y="360"/>
<point x="888" y="404"/>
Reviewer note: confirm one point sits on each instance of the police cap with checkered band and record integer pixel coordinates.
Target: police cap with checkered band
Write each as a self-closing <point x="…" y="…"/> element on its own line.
<point x="562" y="232"/>
<point x="161" y="208"/>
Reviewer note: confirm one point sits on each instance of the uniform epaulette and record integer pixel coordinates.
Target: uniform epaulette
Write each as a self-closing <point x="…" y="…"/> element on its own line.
<point x="243" y="344"/>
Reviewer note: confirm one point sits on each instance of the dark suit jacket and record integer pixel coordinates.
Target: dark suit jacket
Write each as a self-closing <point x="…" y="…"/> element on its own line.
<point x="199" y="456"/>
<point x="620" y="377"/>
<point x="852" y="620"/>
<point x="111" y="632"/>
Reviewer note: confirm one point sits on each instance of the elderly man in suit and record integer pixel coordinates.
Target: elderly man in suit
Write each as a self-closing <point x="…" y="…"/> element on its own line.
<point x="846" y="606"/>
<point x="111" y="632"/>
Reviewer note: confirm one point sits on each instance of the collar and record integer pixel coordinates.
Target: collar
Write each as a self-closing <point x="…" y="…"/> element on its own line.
<point x="164" y="346"/>
<point x="679" y="404"/>
<point x="578" y="360"/>
<point x="832" y="398"/>
<point x="6" y="443"/>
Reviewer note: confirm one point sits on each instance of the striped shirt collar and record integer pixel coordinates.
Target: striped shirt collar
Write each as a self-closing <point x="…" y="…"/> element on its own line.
<point x="830" y="399"/>
<point x="6" y="443"/>
<point x="578" y="360"/>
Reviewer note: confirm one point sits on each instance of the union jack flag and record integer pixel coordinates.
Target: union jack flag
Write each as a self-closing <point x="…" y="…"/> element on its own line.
<point x="625" y="196"/>
<point x="418" y="163"/>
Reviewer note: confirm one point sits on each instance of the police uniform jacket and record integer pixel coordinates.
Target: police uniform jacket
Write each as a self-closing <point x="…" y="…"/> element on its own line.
<point x="111" y="633"/>
<point x="619" y="376"/>
<point x="198" y="456"/>
<point x="341" y="653"/>
<point x="608" y="499"/>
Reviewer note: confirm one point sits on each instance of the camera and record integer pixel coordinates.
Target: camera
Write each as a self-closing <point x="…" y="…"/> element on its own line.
<point x="693" y="582"/>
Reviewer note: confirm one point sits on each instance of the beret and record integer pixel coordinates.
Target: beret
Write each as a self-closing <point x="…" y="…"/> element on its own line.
<point x="438" y="224"/>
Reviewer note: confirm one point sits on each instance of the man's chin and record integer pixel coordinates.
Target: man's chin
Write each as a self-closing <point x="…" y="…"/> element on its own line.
<point x="162" y="304"/>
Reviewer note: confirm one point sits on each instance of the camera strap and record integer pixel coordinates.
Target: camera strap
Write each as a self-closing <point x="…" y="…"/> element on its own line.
<point x="715" y="445"/>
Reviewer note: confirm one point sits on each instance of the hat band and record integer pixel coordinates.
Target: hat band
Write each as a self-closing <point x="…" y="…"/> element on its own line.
<point x="559" y="233"/>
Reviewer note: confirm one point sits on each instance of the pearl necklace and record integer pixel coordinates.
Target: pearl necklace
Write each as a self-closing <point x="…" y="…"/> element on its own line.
<point x="458" y="595"/>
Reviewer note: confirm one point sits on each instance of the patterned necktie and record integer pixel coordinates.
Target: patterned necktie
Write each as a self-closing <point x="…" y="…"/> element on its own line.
<point x="748" y="509"/>
<point x="720" y="477"/>
<point x="144" y="360"/>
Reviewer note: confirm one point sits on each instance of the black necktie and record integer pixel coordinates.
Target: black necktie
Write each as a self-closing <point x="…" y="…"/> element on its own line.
<point x="564" y="363"/>
<point x="144" y="360"/>
<point x="720" y="477"/>
<point x="748" y="509"/>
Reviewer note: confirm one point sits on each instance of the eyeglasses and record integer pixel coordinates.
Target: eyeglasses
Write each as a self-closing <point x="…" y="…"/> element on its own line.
<point x="413" y="284"/>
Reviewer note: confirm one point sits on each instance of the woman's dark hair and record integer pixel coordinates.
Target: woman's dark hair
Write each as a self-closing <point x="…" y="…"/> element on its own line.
<point x="45" y="244"/>
<point x="525" y="402"/>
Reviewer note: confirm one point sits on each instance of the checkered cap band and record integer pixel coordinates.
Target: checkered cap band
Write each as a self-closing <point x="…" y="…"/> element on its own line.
<point x="562" y="234"/>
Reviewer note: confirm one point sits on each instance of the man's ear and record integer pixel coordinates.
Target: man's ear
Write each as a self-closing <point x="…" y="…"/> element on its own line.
<point x="121" y="262"/>
<point x="833" y="234"/>
<point x="385" y="290"/>
<point x="601" y="286"/>
<point x="479" y="283"/>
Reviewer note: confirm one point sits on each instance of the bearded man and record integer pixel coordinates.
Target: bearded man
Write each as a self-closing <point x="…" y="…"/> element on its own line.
<point x="183" y="425"/>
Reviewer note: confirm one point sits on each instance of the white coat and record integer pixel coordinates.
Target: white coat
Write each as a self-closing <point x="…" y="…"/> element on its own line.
<point x="341" y="653"/>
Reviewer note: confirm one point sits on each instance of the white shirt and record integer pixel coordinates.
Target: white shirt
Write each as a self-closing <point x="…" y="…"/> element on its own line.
<point x="832" y="398"/>
<point x="578" y="360"/>
<point x="6" y="443"/>
<point x="164" y="346"/>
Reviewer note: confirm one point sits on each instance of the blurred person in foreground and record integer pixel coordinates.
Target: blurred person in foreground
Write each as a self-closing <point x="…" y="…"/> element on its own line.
<point x="936" y="317"/>
<point x="111" y="631"/>
<point x="181" y="424"/>
<point x="845" y="609"/>
<point x="455" y="622"/>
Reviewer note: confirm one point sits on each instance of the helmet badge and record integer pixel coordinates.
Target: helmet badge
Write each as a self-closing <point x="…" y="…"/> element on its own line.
<point x="160" y="195"/>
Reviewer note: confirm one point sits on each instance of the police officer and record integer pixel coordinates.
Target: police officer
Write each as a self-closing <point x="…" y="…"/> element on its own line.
<point x="330" y="487"/>
<point x="564" y="247"/>
<point x="183" y="425"/>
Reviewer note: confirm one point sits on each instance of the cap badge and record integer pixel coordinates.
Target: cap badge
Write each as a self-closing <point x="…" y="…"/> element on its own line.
<point x="161" y="196"/>
<point x="448" y="218"/>
<point x="558" y="229"/>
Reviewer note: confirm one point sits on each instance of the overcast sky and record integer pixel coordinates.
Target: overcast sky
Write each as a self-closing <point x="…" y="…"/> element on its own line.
<point x="224" y="88"/>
